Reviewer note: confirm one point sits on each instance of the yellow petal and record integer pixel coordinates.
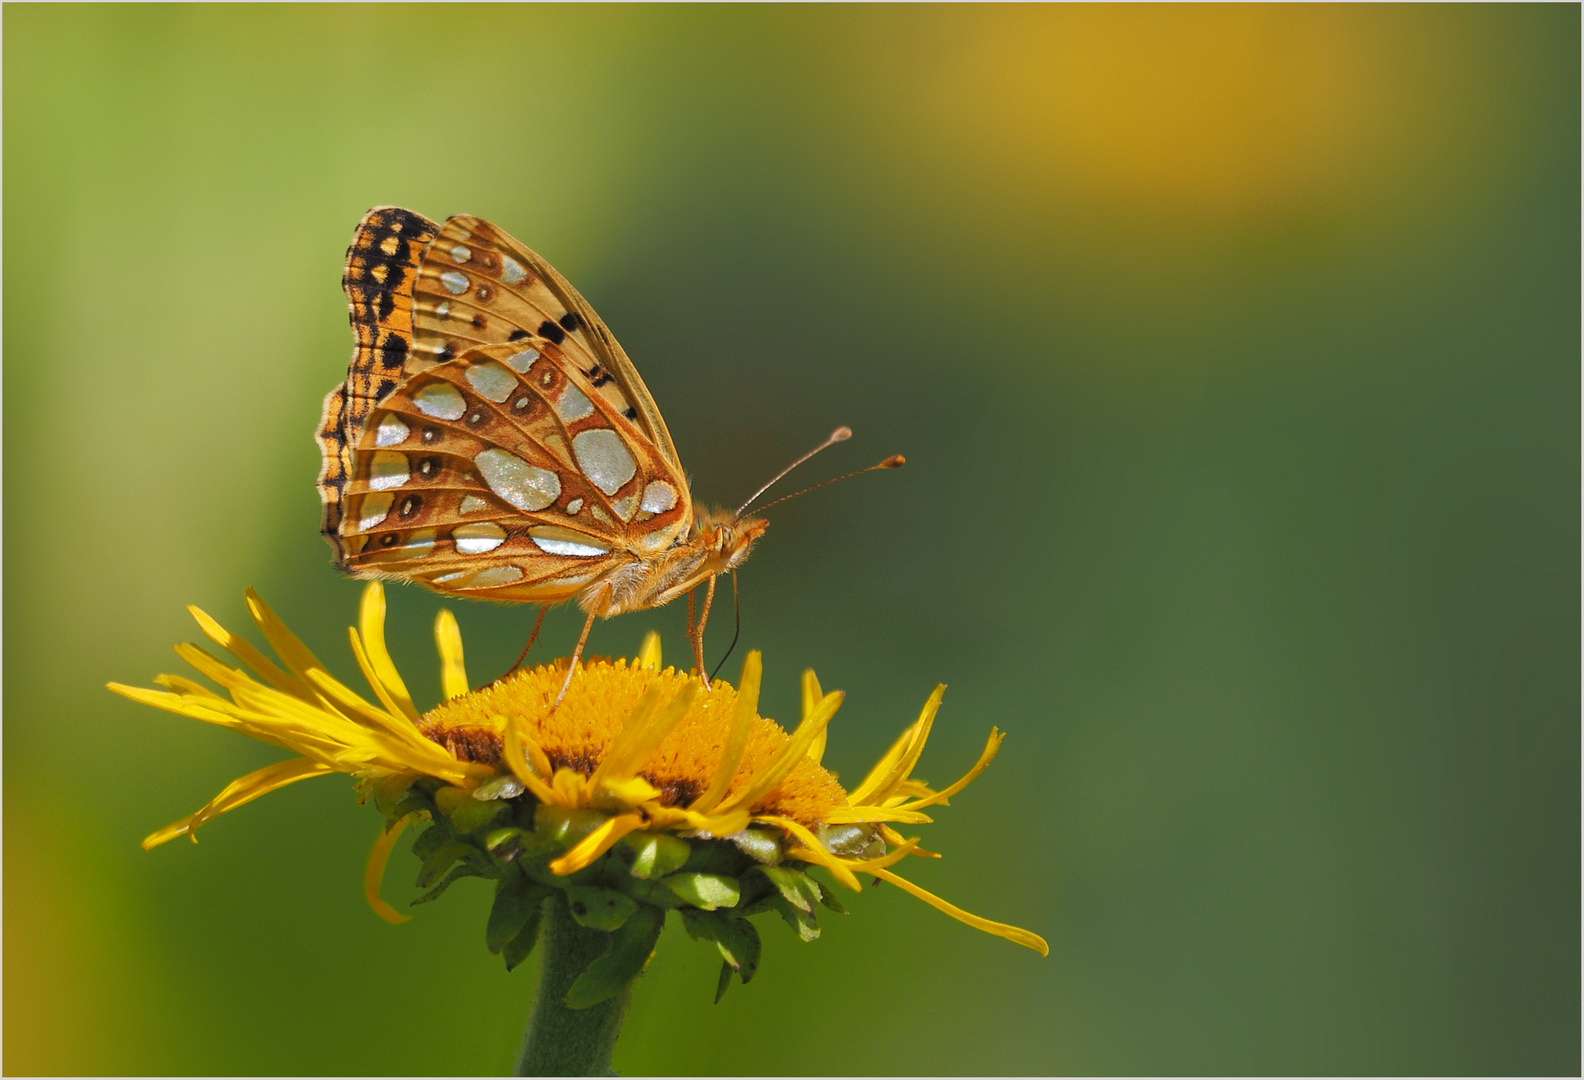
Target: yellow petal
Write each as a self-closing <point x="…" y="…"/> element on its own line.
<point x="649" y="652"/>
<point x="896" y="839"/>
<point x="850" y="815"/>
<point x="398" y="730"/>
<point x="596" y="844"/>
<point x="733" y="821"/>
<point x="630" y="792"/>
<point x="531" y="776"/>
<point x="392" y="719"/>
<point x="811" y="698"/>
<point x="239" y="793"/>
<point x="737" y="738"/>
<point x="988" y="755"/>
<point x="767" y="779"/>
<point x="812" y="850"/>
<point x="374" y="872"/>
<point x="1011" y="933"/>
<point x="898" y="762"/>
<point x="244" y="651"/>
<point x="645" y="730"/>
<point x="293" y="653"/>
<point x="891" y="858"/>
<point x="570" y="787"/>
<point x="371" y="621"/>
<point x="453" y="676"/>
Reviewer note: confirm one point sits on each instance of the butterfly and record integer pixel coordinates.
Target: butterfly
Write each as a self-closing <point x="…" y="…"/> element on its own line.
<point x="492" y="440"/>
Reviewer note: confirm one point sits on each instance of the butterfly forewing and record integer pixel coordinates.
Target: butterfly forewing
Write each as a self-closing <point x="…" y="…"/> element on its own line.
<point x="479" y="286"/>
<point x="510" y="459"/>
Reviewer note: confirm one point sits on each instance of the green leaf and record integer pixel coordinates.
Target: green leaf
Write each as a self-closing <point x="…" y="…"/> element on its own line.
<point x="705" y="891"/>
<point x="497" y="838"/>
<point x="516" y="901"/>
<point x="457" y="874"/>
<point x="723" y="982"/>
<point x="599" y="909"/>
<point x="389" y="792"/>
<point x="827" y="897"/>
<point x="654" y="893"/>
<point x="475" y="814"/>
<point x="429" y="841"/>
<point x="760" y="845"/>
<point x="517" y="949"/>
<point x="656" y="854"/>
<point x="710" y="858"/>
<point x="437" y="862"/>
<point x="630" y="949"/>
<point x="505" y="786"/>
<point x="802" y="922"/>
<point x="566" y="826"/>
<point x="795" y="886"/>
<point x="448" y="798"/>
<point x="736" y="939"/>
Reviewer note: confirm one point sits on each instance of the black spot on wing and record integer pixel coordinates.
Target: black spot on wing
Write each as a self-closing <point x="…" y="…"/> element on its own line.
<point x="570" y="322"/>
<point x="393" y="351"/>
<point x="552" y="332"/>
<point x="518" y="334"/>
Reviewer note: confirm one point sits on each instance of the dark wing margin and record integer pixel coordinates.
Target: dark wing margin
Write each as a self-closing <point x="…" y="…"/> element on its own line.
<point x="381" y="266"/>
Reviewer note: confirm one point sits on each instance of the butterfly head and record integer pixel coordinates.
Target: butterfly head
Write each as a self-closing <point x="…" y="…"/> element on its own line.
<point x="727" y="537"/>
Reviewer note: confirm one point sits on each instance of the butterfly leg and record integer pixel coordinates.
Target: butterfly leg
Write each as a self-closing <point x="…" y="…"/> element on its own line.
<point x="697" y="631"/>
<point x="533" y="636"/>
<point x="577" y="653"/>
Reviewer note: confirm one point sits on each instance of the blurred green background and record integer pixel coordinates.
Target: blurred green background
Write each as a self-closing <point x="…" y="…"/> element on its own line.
<point x="1234" y="352"/>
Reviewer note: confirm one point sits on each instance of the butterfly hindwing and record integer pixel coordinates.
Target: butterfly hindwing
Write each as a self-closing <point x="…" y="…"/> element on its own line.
<point x="381" y="266"/>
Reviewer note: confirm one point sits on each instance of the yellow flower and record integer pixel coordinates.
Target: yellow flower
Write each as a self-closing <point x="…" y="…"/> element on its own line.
<point x="633" y="755"/>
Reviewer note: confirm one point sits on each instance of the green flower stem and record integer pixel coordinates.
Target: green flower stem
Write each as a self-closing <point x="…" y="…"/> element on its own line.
<point x="562" y="1041"/>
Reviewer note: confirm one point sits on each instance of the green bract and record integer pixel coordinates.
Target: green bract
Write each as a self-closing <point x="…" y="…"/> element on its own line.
<point x="716" y="885"/>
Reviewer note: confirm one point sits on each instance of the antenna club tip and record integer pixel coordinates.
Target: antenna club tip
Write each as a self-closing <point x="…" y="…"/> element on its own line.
<point x="895" y="461"/>
<point x="841" y="434"/>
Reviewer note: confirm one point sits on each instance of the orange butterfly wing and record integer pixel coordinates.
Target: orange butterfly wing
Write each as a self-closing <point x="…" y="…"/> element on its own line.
<point x="381" y="266"/>
<point x="519" y="455"/>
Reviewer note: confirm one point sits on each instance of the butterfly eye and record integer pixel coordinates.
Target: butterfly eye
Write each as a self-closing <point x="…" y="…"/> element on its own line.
<point x="484" y="293"/>
<point x="476" y="418"/>
<point x="431" y="434"/>
<point x="522" y="404"/>
<point x="410" y="506"/>
<point x="390" y="539"/>
<point x="428" y="467"/>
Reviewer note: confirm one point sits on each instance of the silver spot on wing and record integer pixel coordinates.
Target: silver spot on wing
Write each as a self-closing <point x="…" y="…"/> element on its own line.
<point x="603" y="459"/>
<point x="525" y="486"/>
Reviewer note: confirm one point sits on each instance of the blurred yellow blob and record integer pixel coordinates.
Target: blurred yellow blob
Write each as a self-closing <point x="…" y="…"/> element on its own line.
<point x="1174" y="108"/>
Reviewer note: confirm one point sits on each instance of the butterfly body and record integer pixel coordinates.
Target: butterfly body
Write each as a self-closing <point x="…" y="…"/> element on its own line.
<point x="492" y="439"/>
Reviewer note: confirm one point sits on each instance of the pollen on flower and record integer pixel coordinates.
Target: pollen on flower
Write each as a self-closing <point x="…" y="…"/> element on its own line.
<point x="578" y="734"/>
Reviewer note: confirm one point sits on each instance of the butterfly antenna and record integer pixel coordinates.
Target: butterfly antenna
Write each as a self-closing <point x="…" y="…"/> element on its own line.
<point x="841" y="434"/>
<point x="895" y="461"/>
<point x="737" y="612"/>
